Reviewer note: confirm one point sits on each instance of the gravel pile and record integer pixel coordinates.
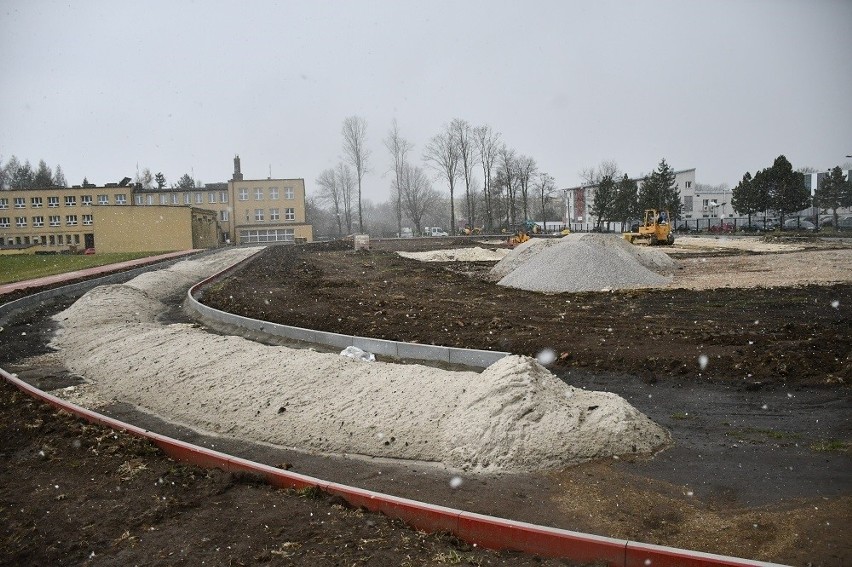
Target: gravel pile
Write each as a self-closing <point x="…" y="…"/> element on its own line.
<point x="584" y="262"/>
<point x="475" y="254"/>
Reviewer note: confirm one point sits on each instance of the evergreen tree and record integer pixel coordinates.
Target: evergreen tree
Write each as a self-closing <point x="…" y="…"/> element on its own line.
<point x="745" y="197"/>
<point x="43" y="175"/>
<point x="785" y="188"/>
<point x="659" y="191"/>
<point x="160" y="180"/>
<point x="830" y="193"/>
<point x="23" y="176"/>
<point x="626" y="203"/>
<point x="59" y="177"/>
<point x="602" y="206"/>
<point x="186" y="182"/>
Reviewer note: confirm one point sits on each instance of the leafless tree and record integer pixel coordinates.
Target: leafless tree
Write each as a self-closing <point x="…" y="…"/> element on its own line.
<point x="487" y="145"/>
<point x="346" y="185"/>
<point x="442" y="155"/>
<point x="525" y="170"/>
<point x="398" y="148"/>
<point x="545" y="186"/>
<point x="330" y="193"/>
<point x="465" y="143"/>
<point x="506" y="159"/>
<point x="593" y="175"/>
<point x="417" y="193"/>
<point x="357" y="154"/>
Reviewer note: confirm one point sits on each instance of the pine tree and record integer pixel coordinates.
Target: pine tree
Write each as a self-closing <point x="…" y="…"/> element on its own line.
<point x="602" y="206"/>
<point x="626" y="204"/>
<point x="830" y="193"/>
<point x="160" y="179"/>
<point x="185" y="182"/>
<point x="659" y="191"/>
<point x="745" y="198"/>
<point x="43" y="175"/>
<point x="786" y="189"/>
<point x="59" y="177"/>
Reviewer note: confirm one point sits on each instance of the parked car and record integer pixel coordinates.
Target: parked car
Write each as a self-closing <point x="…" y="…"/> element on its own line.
<point x="89" y="251"/>
<point x="799" y="224"/>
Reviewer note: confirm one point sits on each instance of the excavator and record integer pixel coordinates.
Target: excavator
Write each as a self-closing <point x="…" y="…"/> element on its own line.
<point x="656" y="229"/>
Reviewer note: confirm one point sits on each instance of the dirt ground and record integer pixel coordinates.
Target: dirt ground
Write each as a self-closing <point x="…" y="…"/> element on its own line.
<point x="759" y="467"/>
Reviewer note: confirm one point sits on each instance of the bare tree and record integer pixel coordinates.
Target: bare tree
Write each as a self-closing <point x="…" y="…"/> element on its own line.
<point x="398" y="148"/>
<point x="465" y="143"/>
<point x="487" y="144"/>
<point x="418" y="194"/>
<point x="346" y="184"/>
<point x="442" y="154"/>
<point x="545" y="186"/>
<point x="525" y="170"/>
<point x="331" y="194"/>
<point x="593" y="175"/>
<point x="506" y="158"/>
<point x="357" y="154"/>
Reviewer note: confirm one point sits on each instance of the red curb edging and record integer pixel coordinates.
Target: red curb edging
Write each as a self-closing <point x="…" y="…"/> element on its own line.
<point x="486" y="531"/>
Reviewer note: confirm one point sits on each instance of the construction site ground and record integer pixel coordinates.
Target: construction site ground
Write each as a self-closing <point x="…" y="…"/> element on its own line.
<point x="759" y="467"/>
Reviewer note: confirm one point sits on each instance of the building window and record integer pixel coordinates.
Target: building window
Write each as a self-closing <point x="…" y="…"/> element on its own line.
<point x="223" y="196"/>
<point x="199" y="198"/>
<point x="274" y="215"/>
<point x="38" y="221"/>
<point x="121" y="199"/>
<point x="290" y="214"/>
<point x="164" y="199"/>
<point x="288" y="193"/>
<point x="87" y="220"/>
<point x="258" y="193"/>
<point x="223" y="216"/>
<point x="51" y="240"/>
<point x="53" y="220"/>
<point x="20" y="202"/>
<point x="175" y="199"/>
<point x="4" y="203"/>
<point x="4" y="222"/>
<point x="20" y="222"/>
<point x="258" y="215"/>
<point x="71" y="220"/>
<point x="86" y="200"/>
<point x="76" y="239"/>
<point x="187" y="199"/>
<point x="243" y="194"/>
<point x="271" y="235"/>
<point x="35" y="202"/>
<point x="211" y="197"/>
<point x="273" y="193"/>
<point x="53" y="202"/>
<point x="138" y="199"/>
<point x="103" y="199"/>
<point x="67" y="238"/>
<point x="688" y="184"/>
<point x="150" y="199"/>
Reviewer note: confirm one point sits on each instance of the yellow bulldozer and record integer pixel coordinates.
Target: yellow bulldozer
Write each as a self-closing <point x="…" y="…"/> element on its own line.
<point x="655" y="229"/>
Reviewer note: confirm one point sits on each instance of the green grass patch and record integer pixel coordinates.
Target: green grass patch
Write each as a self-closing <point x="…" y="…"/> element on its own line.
<point x="30" y="266"/>
<point x="682" y="415"/>
<point x="830" y="446"/>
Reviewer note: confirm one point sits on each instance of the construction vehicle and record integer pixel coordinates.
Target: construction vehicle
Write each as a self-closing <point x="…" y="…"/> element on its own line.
<point x="655" y="229"/>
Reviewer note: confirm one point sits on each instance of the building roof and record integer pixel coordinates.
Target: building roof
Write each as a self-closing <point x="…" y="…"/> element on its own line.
<point x="637" y="179"/>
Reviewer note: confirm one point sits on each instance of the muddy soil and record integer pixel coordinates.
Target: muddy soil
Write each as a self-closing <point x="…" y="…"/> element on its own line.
<point x="759" y="467"/>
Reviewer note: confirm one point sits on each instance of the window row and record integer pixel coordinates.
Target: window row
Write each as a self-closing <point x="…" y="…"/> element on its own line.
<point x="272" y="193"/>
<point x="38" y="221"/>
<point x="274" y="215"/>
<point x="47" y="239"/>
<point x="53" y="202"/>
<point x="271" y="235"/>
<point x="196" y="198"/>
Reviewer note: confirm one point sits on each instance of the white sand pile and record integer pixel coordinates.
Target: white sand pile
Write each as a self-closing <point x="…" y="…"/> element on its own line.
<point x="514" y="416"/>
<point x="475" y="254"/>
<point x="588" y="262"/>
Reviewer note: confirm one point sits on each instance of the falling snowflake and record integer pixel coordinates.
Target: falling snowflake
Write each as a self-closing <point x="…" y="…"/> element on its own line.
<point x="545" y="357"/>
<point x="702" y="361"/>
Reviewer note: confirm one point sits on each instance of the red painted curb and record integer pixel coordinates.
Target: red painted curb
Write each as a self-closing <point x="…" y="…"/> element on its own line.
<point x="486" y="531"/>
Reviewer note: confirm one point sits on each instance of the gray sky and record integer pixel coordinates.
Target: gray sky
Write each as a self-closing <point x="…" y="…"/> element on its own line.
<point x="181" y="87"/>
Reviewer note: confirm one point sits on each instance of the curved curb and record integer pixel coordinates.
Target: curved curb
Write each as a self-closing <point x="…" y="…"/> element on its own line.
<point x="487" y="531"/>
<point x="475" y="358"/>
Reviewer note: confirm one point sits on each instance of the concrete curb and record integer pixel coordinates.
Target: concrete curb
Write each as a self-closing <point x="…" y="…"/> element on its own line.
<point x="486" y="531"/>
<point x="411" y="351"/>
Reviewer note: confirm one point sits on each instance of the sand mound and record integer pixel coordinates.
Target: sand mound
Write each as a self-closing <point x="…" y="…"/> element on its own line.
<point x="475" y="254"/>
<point x="588" y="262"/>
<point x="514" y="416"/>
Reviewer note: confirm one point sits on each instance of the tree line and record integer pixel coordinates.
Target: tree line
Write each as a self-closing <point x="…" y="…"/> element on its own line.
<point x="17" y="175"/>
<point x="489" y="183"/>
<point x="617" y="198"/>
<point x="781" y="189"/>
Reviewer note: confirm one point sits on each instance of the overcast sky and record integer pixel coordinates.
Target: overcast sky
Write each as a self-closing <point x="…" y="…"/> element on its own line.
<point x="180" y="87"/>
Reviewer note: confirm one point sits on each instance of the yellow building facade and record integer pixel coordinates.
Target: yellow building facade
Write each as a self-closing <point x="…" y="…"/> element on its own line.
<point x="245" y="212"/>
